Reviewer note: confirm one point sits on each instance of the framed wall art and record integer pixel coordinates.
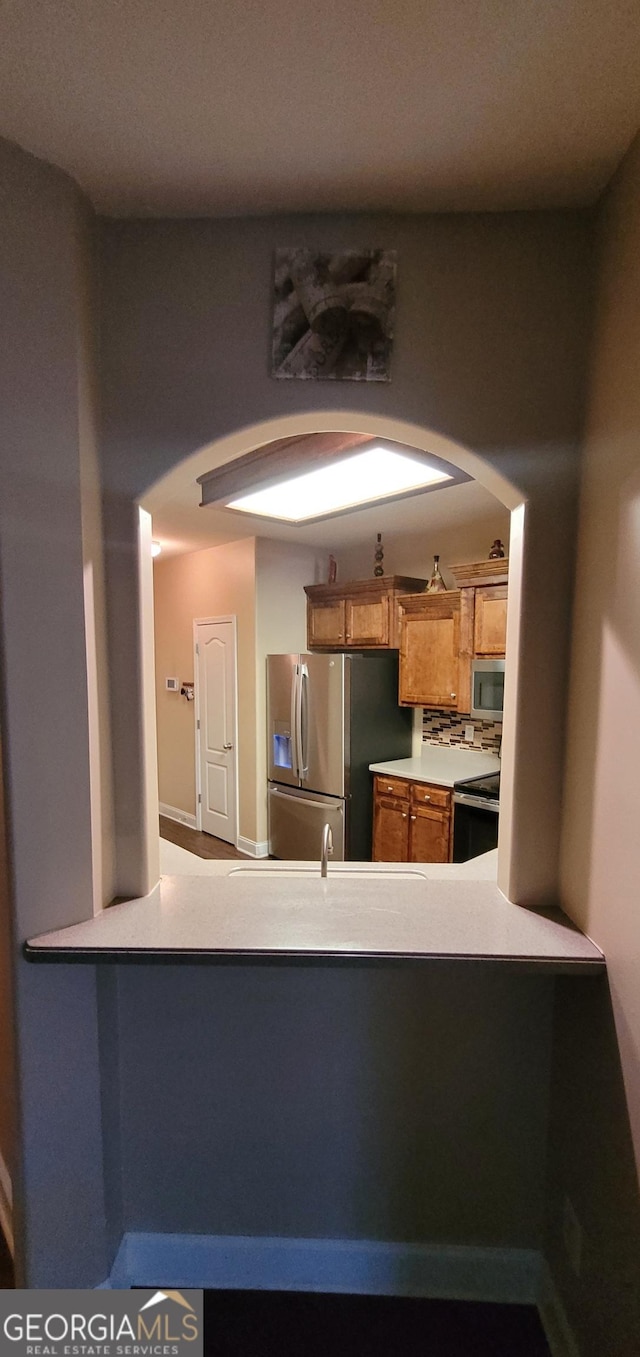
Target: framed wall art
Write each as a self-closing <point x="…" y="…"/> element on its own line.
<point x="334" y="315"/>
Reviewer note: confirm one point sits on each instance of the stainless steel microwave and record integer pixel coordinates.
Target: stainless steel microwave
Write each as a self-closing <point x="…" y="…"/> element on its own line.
<point x="487" y="689"/>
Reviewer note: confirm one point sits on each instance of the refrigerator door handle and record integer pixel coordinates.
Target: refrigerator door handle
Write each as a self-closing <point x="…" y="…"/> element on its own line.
<point x="295" y="753"/>
<point x="303" y="721"/>
<point x="302" y="800"/>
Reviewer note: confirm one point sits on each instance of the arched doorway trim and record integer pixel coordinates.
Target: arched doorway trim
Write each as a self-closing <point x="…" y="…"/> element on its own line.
<point x="231" y="446"/>
<point x="246" y="439"/>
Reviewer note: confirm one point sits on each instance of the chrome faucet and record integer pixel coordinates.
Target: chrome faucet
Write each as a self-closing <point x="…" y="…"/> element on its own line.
<point x="327" y="849"/>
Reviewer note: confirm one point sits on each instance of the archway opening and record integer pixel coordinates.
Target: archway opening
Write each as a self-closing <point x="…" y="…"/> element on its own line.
<point x="173" y="502"/>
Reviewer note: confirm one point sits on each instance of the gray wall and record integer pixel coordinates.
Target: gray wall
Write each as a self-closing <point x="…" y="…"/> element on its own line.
<point x="490" y="348"/>
<point x="8" y="1088"/>
<point x="596" y="1117"/>
<point x="59" y="1176"/>
<point x="591" y="1162"/>
<point x="377" y="1103"/>
<point x="492" y="331"/>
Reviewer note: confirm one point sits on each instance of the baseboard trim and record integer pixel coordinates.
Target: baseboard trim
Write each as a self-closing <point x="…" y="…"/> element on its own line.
<point x="6" y="1204"/>
<point x="174" y="813"/>
<point x="253" y="848"/>
<point x="558" y="1331"/>
<point x="356" y="1267"/>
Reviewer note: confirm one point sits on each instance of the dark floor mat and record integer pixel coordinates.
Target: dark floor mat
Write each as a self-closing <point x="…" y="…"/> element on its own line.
<point x="291" y="1324"/>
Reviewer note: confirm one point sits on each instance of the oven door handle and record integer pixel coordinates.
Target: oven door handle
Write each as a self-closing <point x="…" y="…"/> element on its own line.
<point x="482" y="802"/>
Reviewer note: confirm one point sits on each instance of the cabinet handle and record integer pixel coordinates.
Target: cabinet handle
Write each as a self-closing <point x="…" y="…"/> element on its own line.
<point x="427" y="797"/>
<point x="389" y="789"/>
<point x="404" y="814"/>
<point x="453" y="694"/>
<point x="413" y="817"/>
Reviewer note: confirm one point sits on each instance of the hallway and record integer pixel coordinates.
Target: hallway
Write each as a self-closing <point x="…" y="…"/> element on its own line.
<point x="203" y="845"/>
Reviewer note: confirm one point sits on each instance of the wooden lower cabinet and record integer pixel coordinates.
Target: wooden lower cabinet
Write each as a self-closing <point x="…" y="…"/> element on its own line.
<point x="390" y="830"/>
<point x="429" y="834"/>
<point x="411" y="822"/>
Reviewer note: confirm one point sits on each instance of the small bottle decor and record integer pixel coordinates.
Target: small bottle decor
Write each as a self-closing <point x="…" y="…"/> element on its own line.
<point x="378" y="557"/>
<point x="333" y="570"/>
<point x="436" y="584"/>
<point x="497" y="551"/>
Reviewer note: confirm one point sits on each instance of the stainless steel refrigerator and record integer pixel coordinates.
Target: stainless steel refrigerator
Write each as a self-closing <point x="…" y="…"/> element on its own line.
<point x="328" y="717"/>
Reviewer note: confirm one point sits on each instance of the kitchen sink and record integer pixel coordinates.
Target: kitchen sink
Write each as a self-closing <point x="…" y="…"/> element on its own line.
<point x="309" y="870"/>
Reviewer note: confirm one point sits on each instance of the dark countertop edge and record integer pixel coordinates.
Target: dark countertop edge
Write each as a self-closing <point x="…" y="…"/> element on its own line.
<point x="255" y="957"/>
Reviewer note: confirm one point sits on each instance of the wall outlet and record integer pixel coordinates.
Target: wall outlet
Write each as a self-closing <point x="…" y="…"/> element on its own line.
<point x="469" y="732"/>
<point x="572" y="1235"/>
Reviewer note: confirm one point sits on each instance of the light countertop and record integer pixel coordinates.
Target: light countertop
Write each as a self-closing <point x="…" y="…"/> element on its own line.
<point x="441" y="764"/>
<point x="261" y="913"/>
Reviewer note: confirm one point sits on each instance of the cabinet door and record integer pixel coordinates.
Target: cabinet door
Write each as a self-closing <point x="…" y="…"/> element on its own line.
<point x="325" y="624"/>
<point x="429" y="647"/>
<point x="367" y="621"/>
<point x="490" y="632"/>
<point x="390" y="830"/>
<point x="429" y="830"/>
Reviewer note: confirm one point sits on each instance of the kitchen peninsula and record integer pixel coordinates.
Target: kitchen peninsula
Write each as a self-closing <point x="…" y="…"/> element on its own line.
<point x="363" y="913"/>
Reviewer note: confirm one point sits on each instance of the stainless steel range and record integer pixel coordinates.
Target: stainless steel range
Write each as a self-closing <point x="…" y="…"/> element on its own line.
<point x="476" y="808"/>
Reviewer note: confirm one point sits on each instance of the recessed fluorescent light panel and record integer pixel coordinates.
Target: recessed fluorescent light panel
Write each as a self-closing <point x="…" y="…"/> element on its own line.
<point x="376" y="474"/>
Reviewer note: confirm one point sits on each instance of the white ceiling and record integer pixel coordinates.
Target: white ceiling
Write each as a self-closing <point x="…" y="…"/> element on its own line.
<point x="181" y="525"/>
<point x="214" y="107"/>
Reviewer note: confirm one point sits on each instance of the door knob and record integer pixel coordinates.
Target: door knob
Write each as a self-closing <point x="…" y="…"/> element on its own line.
<point x="227" y="746"/>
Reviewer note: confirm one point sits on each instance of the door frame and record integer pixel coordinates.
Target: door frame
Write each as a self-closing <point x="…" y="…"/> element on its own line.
<point x="208" y="622"/>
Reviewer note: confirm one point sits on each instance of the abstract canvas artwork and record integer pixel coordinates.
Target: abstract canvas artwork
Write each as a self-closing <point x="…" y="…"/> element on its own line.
<point x="334" y="314"/>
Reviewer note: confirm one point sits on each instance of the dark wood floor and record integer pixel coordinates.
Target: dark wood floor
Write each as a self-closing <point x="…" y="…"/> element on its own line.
<point x="203" y="845"/>
<point x="290" y="1324"/>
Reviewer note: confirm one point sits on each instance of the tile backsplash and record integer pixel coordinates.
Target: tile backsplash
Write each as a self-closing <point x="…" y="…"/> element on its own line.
<point x="439" y="727"/>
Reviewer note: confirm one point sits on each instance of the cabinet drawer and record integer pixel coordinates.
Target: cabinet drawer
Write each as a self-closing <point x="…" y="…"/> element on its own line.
<point x="425" y="793"/>
<point x="392" y="786"/>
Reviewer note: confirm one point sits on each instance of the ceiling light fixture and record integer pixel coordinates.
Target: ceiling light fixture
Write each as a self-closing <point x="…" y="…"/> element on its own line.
<point x="350" y="483"/>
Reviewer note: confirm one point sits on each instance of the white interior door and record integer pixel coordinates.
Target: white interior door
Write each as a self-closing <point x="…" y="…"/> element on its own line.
<point x="215" y="669"/>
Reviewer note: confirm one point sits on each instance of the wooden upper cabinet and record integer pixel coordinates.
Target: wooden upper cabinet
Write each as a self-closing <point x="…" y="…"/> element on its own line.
<point x="358" y="615"/>
<point x="326" y="624"/>
<point x="429" y="650"/>
<point x="483" y="631"/>
<point x="490" y="627"/>
<point x="368" y="621"/>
